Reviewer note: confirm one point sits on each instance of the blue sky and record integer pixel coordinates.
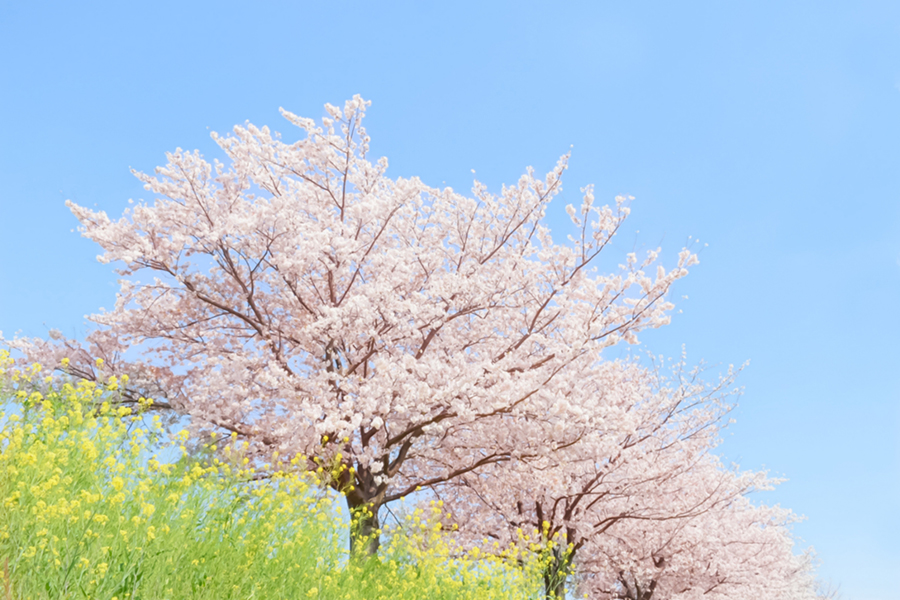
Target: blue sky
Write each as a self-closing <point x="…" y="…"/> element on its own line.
<point x="769" y="130"/>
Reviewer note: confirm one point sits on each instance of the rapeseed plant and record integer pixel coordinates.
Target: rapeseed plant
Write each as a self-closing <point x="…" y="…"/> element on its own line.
<point x="88" y="510"/>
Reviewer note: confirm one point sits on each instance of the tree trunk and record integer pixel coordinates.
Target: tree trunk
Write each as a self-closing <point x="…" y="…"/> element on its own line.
<point x="365" y="535"/>
<point x="554" y="587"/>
<point x="556" y="573"/>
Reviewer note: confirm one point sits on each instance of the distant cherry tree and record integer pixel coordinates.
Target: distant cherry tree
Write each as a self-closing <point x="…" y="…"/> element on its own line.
<point x="730" y="550"/>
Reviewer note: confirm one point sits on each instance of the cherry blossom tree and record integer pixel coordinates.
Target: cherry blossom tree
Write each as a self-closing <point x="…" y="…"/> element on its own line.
<point x="636" y="449"/>
<point x="733" y="551"/>
<point x="635" y="504"/>
<point x="392" y="335"/>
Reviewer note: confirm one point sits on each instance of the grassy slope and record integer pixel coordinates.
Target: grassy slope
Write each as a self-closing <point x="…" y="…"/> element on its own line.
<point x="87" y="512"/>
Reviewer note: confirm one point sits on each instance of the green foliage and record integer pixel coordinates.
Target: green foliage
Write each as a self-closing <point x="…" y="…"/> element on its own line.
<point x="86" y="511"/>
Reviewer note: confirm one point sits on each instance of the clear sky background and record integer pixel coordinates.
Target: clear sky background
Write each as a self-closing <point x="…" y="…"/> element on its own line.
<point x="769" y="130"/>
